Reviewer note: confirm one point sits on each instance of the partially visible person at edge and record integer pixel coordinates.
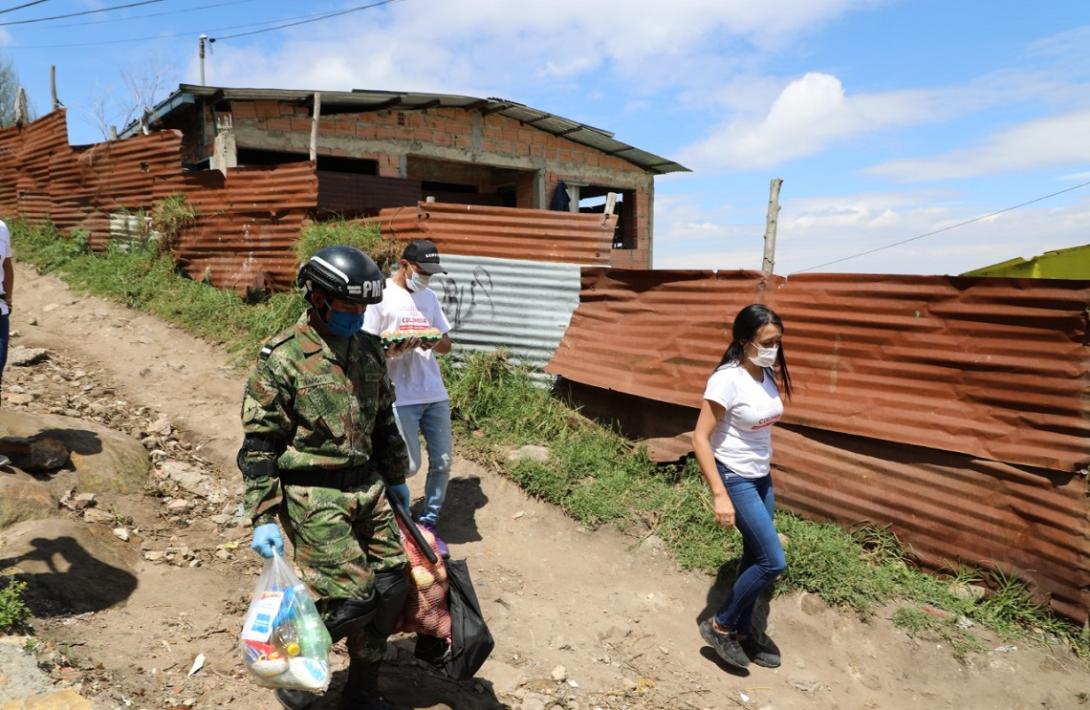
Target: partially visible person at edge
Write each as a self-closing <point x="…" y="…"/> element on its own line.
<point x="733" y="445"/>
<point x="321" y="450"/>
<point x="6" y="296"/>
<point x="422" y="406"/>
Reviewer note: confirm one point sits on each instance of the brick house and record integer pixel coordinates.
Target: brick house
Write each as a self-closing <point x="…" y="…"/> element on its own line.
<point x="381" y="149"/>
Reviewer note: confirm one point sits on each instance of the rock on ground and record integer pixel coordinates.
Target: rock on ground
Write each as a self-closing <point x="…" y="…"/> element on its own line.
<point x="104" y="460"/>
<point x="23" y="498"/>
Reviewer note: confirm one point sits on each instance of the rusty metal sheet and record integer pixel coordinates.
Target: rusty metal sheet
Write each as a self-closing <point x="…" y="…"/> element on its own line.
<point x="247" y="222"/>
<point x="993" y="368"/>
<point x="947" y="509"/>
<point x="504" y="232"/>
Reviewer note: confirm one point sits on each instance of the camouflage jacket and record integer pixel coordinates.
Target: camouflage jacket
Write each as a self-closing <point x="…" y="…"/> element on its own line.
<point x="331" y="407"/>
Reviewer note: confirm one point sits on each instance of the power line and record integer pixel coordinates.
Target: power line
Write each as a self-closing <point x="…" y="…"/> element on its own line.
<point x="113" y="20"/>
<point x="20" y="7"/>
<point x="190" y="33"/>
<point x="78" y="14"/>
<point x="304" y="22"/>
<point x="947" y="228"/>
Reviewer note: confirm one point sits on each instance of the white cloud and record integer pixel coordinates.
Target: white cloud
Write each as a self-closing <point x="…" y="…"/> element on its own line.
<point x="1042" y="143"/>
<point x="478" y="46"/>
<point x="808" y="114"/>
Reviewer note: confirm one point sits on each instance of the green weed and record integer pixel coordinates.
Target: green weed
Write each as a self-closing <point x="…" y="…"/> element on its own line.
<point x="13" y="609"/>
<point x="169" y="217"/>
<point x="362" y="235"/>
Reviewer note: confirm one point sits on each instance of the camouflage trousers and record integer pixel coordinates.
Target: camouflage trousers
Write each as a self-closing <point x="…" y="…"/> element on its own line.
<point x="341" y="540"/>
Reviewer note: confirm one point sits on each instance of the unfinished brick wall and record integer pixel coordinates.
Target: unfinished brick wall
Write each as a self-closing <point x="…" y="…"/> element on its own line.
<point x="455" y="136"/>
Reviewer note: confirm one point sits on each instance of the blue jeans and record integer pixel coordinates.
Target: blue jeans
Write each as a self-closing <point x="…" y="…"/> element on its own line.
<point x="762" y="554"/>
<point x="4" y="325"/>
<point x="433" y="419"/>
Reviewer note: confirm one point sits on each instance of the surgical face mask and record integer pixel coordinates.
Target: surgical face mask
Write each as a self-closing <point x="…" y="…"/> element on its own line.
<point x="343" y="324"/>
<point x="765" y="357"/>
<point x="418" y="281"/>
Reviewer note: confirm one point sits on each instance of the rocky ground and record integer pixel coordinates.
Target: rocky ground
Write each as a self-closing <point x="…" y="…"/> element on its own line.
<point x="140" y="568"/>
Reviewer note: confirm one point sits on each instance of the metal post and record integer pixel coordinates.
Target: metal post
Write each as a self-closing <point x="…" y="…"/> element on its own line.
<point x="203" y="38"/>
<point x="769" y="260"/>
<point x="53" y="86"/>
<point x="314" y="127"/>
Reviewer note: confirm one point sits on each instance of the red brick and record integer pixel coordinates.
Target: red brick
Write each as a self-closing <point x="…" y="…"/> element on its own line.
<point x="243" y="109"/>
<point x="279" y="124"/>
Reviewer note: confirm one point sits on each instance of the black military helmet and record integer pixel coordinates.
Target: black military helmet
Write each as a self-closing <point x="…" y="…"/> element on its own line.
<point x="342" y="272"/>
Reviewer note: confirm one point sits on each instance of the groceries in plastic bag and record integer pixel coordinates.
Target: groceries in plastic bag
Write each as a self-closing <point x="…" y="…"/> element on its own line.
<point x="425" y="610"/>
<point x="285" y="644"/>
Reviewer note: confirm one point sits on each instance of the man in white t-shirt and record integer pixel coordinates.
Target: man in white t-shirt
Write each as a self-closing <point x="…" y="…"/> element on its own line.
<point x="5" y="297"/>
<point x="422" y="405"/>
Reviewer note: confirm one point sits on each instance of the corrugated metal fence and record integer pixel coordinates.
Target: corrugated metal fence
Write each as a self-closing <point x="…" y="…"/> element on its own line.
<point x="523" y="306"/>
<point x="505" y="232"/>
<point x="953" y="408"/>
<point x="247" y="221"/>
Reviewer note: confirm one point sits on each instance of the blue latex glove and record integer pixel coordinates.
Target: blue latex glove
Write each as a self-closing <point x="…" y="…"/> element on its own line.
<point x="267" y="540"/>
<point x="401" y="492"/>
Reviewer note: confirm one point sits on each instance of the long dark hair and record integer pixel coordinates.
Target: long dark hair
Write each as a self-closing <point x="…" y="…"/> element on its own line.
<point x="746" y="324"/>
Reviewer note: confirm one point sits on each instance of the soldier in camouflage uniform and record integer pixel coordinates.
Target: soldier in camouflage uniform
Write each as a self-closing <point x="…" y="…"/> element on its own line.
<point x="321" y="449"/>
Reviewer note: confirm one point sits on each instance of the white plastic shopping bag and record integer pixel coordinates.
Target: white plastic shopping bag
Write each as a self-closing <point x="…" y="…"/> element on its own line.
<point x="284" y="642"/>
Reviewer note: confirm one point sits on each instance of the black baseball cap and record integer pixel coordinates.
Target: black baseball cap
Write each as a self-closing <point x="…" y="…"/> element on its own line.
<point x="425" y="255"/>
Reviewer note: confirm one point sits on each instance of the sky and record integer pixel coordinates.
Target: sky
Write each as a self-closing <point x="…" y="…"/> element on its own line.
<point x="886" y="119"/>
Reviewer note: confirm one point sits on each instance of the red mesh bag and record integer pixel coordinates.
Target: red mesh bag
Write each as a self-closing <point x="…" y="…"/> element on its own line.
<point x="426" y="612"/>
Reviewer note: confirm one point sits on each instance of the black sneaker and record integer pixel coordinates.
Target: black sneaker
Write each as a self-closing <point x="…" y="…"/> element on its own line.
<point x="295" y="699"/>
<point x="725" y="644"/>
<point x="761" y="649"/>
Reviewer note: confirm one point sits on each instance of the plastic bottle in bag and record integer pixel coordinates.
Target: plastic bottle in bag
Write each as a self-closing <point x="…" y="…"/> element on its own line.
<point x="284" y="641"/>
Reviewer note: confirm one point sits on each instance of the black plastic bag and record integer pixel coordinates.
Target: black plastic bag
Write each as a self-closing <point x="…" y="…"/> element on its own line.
<point x="471" y="641"/>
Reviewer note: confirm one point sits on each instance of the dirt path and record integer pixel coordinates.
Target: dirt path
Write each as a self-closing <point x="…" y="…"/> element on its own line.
<point x="615" y="612"/>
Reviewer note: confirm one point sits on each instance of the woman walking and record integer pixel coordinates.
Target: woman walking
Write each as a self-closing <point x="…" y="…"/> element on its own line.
<point x="733" y="445"/>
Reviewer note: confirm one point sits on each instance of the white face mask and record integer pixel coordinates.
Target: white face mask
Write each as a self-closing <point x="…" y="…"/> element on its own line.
<point x="418" y="281"/>
<point x="765" y="357"/>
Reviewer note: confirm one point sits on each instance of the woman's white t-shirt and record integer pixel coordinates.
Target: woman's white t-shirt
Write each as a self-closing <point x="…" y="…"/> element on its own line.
<point x="742" y="439"/>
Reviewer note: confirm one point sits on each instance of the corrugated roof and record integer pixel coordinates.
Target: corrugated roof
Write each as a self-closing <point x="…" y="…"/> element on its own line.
<point x="365" y="100"/>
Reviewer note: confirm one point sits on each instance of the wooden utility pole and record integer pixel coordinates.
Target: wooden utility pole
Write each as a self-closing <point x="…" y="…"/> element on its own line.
<point x="22" y="114"/>
<point x="611" y="204"/>
<point x="769" y="260"/>
<point x="314" y="126"/>
<point x="53" y="86"/>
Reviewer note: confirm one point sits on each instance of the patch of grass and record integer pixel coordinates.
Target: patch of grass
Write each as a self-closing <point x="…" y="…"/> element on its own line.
<point x="120" y="520"/>
<point x="918" y="622"/>
<point x="362" y="235"/>
<point x="169" y="217"/>
<point x="13" y="609"/>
